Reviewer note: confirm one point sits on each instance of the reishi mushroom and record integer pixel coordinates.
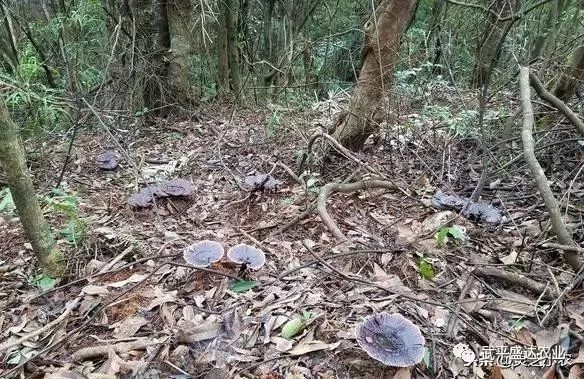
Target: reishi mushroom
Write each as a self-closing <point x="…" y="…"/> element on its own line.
<point x="247" y="255"/>
<point x="203" y="253"/>
<point x="391" y="339"/>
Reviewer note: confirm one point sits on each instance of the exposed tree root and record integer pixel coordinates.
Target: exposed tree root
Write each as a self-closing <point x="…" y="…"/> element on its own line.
<point x="570" y="257"/>
<point x="330" y="188"/>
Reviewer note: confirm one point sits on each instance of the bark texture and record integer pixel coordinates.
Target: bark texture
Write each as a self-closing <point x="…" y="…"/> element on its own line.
<point x="573" y="75"/>
<point x="383" y="32"/>
<point x="12" y="159"/>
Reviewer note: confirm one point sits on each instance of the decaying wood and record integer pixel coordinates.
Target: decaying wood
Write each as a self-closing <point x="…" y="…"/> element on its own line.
<point x="572" y="258"/>
<point x="517" y="279"/>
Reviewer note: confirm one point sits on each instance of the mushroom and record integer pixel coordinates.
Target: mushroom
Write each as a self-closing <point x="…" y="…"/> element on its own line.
<point x="203" y="253"/>
<point x="247" y="255"/>
<point x="391" y="339"/>
<point x="177" y="187"/>
<point x="108" y="160"/>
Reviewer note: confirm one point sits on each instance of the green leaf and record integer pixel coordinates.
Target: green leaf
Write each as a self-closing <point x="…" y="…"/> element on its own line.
<point x="44" y="282"/>
<point x="292" y="328"/>
<point x="6" y="202"/>
<point x="306" y="315"/>
<point x="242" y="285"/>
<point x="426" y="269"/>
<point x="457" y="231"/>
<point x="442" y="237"/>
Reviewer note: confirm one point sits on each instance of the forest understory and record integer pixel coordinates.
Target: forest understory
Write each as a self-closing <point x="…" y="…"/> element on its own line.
<point x="128" y="284"/>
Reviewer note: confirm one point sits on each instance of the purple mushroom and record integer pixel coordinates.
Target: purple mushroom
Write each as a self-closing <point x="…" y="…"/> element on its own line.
<point x="108" y="160"/>
<point x="203" y="253"/>
<point x="177" y="187"/>
<point x="391" y="339"/>
<point x="247" y="255"/>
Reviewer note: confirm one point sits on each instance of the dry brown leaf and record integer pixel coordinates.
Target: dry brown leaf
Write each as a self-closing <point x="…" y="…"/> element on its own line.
<point x="135" y="278"/>
<point x="402" y="373"/>
<point x="129" y="326"/>
<point x="576" y="372"/>
<point x="547" y="337"/>
<point x="550" y="373"/>
<point x="311" y="346"/>
<point x="94" y="290"/>
<point x="496" y="373"/>
<point x="209" y="329"/>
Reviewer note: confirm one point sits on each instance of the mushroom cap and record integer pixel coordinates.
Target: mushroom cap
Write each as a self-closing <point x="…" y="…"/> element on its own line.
<point x="177" y="187"/>
<point x="203" y="253"/>
<point x="391" y="339"/>
<point x="248" y="255"/>
<point x="107" y="160"/>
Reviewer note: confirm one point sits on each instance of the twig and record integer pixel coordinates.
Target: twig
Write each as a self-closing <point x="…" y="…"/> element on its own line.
<point x="331" y="188"/>
<point x="454" y="318"/>
<point x="551" y="204"/>
<point x="514" y="278"/>
<point x="552" y="245"/>
<point x="557" y="103"/>
<point x="122" y="347"/>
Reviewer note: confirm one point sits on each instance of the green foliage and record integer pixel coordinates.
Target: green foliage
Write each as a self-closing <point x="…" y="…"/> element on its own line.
<point x="455" y="231"/>
<point x="44" y="282"/>
<point x="240" y="286"/>
<point x="68" y="206"/>
<point x="6" y="203"/>
<point x="426" y="269"/>
<point x="295" y="326"/>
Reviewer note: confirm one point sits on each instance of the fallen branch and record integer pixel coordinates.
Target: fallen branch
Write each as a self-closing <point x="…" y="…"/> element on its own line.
<point x="327" y="190"/>
<point x="551" y="245"/>
<point x="572" y="258"/>
<point x="39" y="331"/>
<point x="517" y="279"/>
<point x="556" y="102"/>
<point x="121" y="347"/>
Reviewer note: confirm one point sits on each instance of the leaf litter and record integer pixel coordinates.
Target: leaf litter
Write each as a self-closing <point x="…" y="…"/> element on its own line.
<point x="152" y="314"/>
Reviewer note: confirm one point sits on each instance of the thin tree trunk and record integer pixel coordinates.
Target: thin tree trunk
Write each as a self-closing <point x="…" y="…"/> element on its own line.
<point x="383" y="32"/>
<point x="488" y="51"/>
<point x="13" y="160"/>
<point x="232" y="48"/>
<point x="222" y="54"/>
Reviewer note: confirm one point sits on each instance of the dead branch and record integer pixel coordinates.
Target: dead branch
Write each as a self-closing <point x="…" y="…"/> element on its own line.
<point x="558" y="224"/>
<point x="557" y="103"/>
<point x="327" y="190"/>
<point x="551" y="245"/>
<point x="517" y="279"/>
<point x="122" y="347"/>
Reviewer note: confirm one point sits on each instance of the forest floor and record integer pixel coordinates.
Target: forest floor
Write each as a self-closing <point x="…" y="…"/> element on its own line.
<point x="151" y="315"/>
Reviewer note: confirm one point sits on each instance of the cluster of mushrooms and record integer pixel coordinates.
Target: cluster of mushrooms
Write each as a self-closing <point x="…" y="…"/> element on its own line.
<point x="389" y="338"/>
<point x="205" y="253"/>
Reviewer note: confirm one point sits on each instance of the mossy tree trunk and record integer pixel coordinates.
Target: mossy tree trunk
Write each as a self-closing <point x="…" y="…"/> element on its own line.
<point x="12" y="159"/>
<point x="383" y="32"/>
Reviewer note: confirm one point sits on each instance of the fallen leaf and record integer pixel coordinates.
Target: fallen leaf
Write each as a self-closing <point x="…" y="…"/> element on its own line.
<point x="94" y="290"/>
<point x="129" y="326"/>
<point x="402" y="373"/>
<point x="547" y="337"/>
<point x="135" y="278"/>
<point x="311" y="346"/>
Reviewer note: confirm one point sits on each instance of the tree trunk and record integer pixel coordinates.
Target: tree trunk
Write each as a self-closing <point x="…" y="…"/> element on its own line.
<point x="383" y="32"/>
<point x="178" y="17"/>
<point x="487" y="52"/>
<point x="12" y="159"/>
<point x="222" y="54"/>
<point x="232" y="48"/>
<point x="153" y="44"/>
<point x="573" y="75"/>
